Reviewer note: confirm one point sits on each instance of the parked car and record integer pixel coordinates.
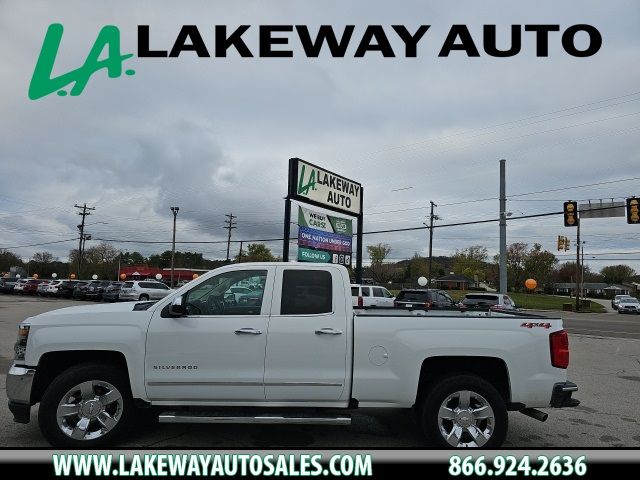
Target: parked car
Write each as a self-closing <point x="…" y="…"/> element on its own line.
<point x="7" y="284"/>
<point x="19" y="286"/>
<point x="112" y="292"/>
<point x="52" y="288"/>
<point x="143" y="290"/>
<point x="629" y="305"/>
<point x="31" y="287"/>
<point x="370" y="296"/>
<point x="67" y="287"/>
<point x="42" y="288"/>
<point x="95" y="290"/>
<point x="424" y="298"/>
<point x="492" y="301"/>
<point x="616" y="300"/>
<point x="303" y="347"/>
<point x="80" y="290"/>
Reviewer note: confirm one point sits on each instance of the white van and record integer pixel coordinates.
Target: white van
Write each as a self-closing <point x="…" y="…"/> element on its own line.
<point x="371" y="296"/>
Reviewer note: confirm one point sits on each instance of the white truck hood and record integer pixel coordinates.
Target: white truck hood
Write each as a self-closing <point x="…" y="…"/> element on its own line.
<point x="99" y="313"/>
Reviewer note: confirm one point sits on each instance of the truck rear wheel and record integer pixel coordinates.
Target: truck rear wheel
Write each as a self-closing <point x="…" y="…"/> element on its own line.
<point x="464" y="411"/>
<point x="86" y="406"/>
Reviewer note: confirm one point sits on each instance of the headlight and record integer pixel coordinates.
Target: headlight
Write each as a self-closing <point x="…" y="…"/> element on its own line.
<point x="20" y="347"/>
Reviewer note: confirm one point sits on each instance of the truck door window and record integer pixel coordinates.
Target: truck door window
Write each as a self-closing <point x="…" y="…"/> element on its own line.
<point x="306" y="292"/>
<point x="377" y="292"/>
<point x="224" y="295"/>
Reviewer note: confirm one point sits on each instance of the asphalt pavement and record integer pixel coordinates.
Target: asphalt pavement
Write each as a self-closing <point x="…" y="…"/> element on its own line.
<point x="605" y="363"/>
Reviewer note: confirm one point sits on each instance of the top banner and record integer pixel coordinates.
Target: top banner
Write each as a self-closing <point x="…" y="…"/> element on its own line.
<point x="326" y="223"/>
<point x="326" y="189"/>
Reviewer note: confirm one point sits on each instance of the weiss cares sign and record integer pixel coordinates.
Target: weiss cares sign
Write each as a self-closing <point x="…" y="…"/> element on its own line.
<point x="323" y="188"/>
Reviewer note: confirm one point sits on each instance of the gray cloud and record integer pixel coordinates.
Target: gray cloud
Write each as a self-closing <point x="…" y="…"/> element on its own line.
<point x="213" y="135"/>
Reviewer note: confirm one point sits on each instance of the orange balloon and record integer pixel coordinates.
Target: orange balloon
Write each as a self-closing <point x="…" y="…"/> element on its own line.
<point x="531" y="284"/>
<point x="123" y="276"/>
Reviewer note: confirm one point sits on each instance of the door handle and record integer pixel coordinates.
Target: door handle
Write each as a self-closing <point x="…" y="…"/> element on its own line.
<point x="328" y="331"/>
<point x="248" y="331"/>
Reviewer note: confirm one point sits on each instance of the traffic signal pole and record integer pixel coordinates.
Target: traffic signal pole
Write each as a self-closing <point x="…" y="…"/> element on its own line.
<point x="578" y="269"/>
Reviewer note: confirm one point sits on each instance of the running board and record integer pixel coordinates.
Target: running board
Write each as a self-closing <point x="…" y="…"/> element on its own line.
<point x="291" y="419"/>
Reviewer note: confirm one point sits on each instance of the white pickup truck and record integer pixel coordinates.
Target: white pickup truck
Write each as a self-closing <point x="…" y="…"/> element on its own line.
<point x="293" y="350"/>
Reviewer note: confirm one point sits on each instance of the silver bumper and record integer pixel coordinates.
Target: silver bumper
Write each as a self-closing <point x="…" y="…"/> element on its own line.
<point x="19" y="382"/>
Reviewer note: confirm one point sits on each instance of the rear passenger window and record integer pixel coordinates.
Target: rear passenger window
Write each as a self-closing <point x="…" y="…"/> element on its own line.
<point x="378" y="292"/>
<point x="366" y="291"/>
<point x="306" y="292"/>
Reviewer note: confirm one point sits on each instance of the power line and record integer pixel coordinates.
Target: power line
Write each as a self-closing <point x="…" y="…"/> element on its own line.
<point x="38" y="244"/>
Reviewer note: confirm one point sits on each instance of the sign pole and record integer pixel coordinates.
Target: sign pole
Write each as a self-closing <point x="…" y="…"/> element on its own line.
<point x="360" y="236"/>
<point x="287" y="229"/>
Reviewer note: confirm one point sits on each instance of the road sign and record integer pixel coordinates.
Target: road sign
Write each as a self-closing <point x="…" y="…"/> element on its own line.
<point x="601" y="209"/>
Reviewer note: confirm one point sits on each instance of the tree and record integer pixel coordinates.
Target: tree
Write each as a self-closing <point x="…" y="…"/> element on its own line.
<point x="617" y="273"/>
<point x="539" y="264"/>
<point x="257" y="252"/>
<point x="133" y="258"/>
<point x="9" y="259"/>
<point x="516" y="257"/>
<point x="471" y="261"/>
<point x="378" y="253"/>
<point x="379" y="271"/>
<point x="43" y="258"/>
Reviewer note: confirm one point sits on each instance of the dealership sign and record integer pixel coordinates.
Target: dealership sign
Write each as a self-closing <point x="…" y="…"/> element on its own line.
<point x="323" y="238"/>
<point x="325" y="189"/>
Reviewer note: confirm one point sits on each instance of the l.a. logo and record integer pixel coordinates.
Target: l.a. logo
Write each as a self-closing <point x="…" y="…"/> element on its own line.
<point x="42" y="84"/>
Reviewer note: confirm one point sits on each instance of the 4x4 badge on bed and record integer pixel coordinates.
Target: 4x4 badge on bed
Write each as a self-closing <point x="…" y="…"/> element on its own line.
<point x="531" y="325"/>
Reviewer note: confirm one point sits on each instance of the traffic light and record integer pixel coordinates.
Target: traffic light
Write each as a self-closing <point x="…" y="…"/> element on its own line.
<point x="570" y="214"/>
<point x="567" y="244"/>
<point x="633" y="212"/>
<point x="561" y="245"/>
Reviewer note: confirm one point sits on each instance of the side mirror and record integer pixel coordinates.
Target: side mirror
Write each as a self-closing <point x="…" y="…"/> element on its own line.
<point x="176" y="309"/>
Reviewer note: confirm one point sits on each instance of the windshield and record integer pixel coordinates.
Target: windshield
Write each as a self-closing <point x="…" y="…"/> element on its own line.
<point x="480" y="300"/>
<point x="413" y="296"/>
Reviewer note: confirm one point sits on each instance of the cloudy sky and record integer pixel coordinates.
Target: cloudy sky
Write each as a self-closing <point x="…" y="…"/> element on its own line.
<point x="213" y="135"/>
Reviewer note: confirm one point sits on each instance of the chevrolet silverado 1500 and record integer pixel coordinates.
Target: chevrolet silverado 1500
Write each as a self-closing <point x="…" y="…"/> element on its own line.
<point x="289" y="349"/>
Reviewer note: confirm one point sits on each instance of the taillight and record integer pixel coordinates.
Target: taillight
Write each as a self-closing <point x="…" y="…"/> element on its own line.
<point x="360" y="302"/>
<point x="559" y="345"/>
<point x="427" y="304"/>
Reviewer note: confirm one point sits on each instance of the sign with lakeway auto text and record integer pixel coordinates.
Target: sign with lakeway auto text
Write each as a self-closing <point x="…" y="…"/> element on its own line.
<point x="323" y="238"/>
<point x="326" y="189"/>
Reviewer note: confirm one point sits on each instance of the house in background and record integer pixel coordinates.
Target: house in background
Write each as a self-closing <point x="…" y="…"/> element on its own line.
<point x="591" y="289"/>
<point x="455" y="282"/>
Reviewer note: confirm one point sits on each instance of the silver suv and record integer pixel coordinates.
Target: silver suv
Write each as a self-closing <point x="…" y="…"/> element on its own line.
<point x="143" y="290"/>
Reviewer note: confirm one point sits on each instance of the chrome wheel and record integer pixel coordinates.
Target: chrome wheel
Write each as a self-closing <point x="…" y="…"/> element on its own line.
<point x="90" y="410"/>
<point x="466" y="419"/>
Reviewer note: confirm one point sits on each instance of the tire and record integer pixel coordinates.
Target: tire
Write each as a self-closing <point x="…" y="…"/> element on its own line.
<point x="144" y="297"/>
<point x="489" y="430"/>
<point x="93" y="423"/>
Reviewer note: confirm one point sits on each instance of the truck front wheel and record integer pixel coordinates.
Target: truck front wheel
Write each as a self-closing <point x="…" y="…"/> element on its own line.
<point x="86" y="406"/>
<point x="464" y="411"/>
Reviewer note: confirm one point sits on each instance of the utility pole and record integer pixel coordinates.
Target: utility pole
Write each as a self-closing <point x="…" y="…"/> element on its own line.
<point x="231" y="224"/>
<point x="582" y="269"/>
<point x="432" y="217"/>
<point x="175" y="211"/>
<point x="578" y="266"/>
<point x="503" y="228"/>
<point x="85" y="211"/>
<point x="240" y="253"/>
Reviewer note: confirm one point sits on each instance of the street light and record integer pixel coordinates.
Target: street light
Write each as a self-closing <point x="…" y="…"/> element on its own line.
<point x="175" y="211"/>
